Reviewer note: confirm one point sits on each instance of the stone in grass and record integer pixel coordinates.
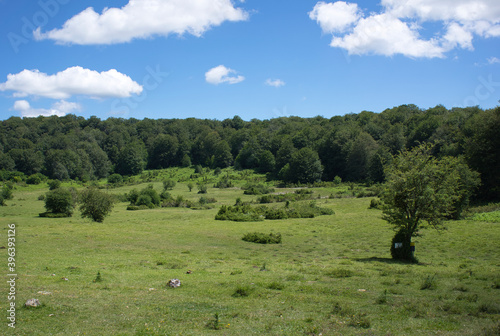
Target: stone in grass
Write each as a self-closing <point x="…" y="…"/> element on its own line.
<point x="174" y="283"/>
<point x="32" y="303"/>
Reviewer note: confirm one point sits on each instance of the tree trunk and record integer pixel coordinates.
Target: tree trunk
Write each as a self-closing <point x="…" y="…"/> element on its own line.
<point x="401" y="247"/>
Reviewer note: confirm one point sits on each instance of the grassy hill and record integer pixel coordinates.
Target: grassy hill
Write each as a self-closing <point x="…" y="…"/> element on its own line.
<point x="331" y="275"/>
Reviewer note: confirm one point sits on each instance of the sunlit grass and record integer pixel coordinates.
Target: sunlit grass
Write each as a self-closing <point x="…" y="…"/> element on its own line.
<point x="331" y="274"/>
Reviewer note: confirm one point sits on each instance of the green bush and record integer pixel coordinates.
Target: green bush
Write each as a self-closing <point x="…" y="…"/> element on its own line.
<point x="224" y="183"/>
<point x="239" y="213"/>
<point x="202" y="189"/>
<point x="257" y="189"/>
<point x="146" y="197"/>
<point x="54" y="184"/>
<point x="6" y="193"/>
<point x="375" y="204"/>
<point x="115" y="179"/>
<point x="207" y="200"/>
<point x="262" y="238"/>
<point x="145" y="200"/>
<point x="95" y="204"/>
<point x="60" y="201"/>
<point x="276" y="214"/>
<point x="35" y="179"/>
<point x="169" y="184"/>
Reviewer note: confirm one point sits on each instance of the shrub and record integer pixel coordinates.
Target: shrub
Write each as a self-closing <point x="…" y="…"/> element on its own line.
<point x="60" y="201"/>
<point x="132" y="196"/>
<point x="239" y="213"/>
<point x="95" y="204"/>
<point x="276" y="214"/>
<point x="198" y="169"/>
<point x="165" y="195"/>
<point x="202" y="189"/>
<point x="262" y="238"/>
<point x="146" y="197"/>
<point x="54" y="184"/>
<point x="35" y="179"/>
<point x="6" y="193"/>
<point x="41" y="197"/>
<point x="257" y="189"/>
<point x="206" y="200"/>
<point x="145" y="200"/>
<point x="169" y="184"/>
<point x="115" y="179"/>
<point x="375" y="204"/>
<point x="190" y="186"/>
<point x="224" y="183"/>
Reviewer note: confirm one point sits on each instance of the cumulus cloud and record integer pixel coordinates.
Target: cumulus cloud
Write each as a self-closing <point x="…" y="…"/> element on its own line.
<point x="386" y="35"/>
<point x="335" y="17"/>
<point x="275" y="82"/>
<point x="143" y="19"/>
<point x="60" y="108"/>
<point x="396" y="29"/>
<point x="72" y="81"/>
<point x="220" y="74"/>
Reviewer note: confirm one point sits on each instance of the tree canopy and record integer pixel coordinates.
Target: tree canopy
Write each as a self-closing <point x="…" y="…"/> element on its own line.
<point x="354" y="147"/>
<point x="422" y="190"/>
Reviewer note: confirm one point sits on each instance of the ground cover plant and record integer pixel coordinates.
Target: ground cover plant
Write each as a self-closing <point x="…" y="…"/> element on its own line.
<point x="331" y="275"/>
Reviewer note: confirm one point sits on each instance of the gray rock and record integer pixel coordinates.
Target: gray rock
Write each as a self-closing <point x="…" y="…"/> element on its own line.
<point x="174" y="283"/>
<point x="32" y="303"/>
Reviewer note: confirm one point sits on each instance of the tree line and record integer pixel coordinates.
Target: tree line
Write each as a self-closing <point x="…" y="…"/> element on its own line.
<point x="353" y="147"/>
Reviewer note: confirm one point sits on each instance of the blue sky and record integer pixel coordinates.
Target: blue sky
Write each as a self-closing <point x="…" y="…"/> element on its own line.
<point x="255" y="58"/>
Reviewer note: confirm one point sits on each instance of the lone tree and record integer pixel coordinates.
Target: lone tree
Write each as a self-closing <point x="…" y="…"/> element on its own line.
<point x="421" y="191"/>
<point x="95" y="204"/>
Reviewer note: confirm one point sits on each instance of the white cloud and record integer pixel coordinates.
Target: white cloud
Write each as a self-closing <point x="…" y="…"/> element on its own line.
<point x="493" y="60"/>
<point x="60" y="108"/>
<point x="457" y="36"/>
<point x="275" y="82"/>
<point x="396" y="29"/>
<point x="386" y="35"/>
<point x="220" y="74"/>
<point x="72" y="81"/>
<point x="334" y="17"/>
<point x="143" y="19"/>
<point x="445" y="10"/>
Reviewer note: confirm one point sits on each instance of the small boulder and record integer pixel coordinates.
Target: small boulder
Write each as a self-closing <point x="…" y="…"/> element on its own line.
<point x="32" y="303"/>
<point x="174" y="283"/>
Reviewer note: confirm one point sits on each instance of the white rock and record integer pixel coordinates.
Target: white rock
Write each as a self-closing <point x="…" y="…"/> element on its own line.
<point x="32" y="303"/>
<point x="174" y="283"/>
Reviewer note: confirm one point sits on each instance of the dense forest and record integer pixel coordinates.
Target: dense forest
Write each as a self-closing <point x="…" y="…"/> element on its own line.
<point x="353" y="147"/>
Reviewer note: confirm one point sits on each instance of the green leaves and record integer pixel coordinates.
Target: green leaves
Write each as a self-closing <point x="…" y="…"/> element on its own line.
<point x="422" y="189"/>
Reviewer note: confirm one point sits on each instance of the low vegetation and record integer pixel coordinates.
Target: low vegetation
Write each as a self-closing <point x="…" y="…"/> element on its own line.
<point x="329" y="275"/>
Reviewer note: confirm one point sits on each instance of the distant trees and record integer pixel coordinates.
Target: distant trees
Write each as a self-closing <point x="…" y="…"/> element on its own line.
<point x="422" y="190"/>
<point x="354" y="147"/>
<point x="482" y="148"/>
<point x="304" y="167"/>
<point x="132" y="159"/>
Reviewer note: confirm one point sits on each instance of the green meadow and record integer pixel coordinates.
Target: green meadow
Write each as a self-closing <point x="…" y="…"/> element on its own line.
<point x="331" y="275"/>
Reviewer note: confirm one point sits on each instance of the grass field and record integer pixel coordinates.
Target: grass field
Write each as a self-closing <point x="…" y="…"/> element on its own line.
<point x="331" y="275"/>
